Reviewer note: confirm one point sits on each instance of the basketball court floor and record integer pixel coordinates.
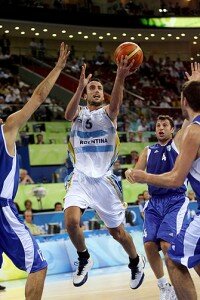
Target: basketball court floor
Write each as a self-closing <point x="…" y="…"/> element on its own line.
<point x="103" y="284"/>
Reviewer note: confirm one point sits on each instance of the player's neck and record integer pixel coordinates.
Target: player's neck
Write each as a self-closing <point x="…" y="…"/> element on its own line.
<point x="94" y="107"/>
<point x="164" y="142"/>
<point x="193" y="115"/>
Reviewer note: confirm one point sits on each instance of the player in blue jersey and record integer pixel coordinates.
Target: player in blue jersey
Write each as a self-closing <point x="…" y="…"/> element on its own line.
<point x="185" y="250"/>
<point x="93" y="147"/>
<point x="15" y="239"/>
<point x="165" y="211"/>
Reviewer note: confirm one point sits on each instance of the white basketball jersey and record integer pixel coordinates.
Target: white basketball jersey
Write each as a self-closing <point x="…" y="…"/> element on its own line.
<point x="93" y="143"/>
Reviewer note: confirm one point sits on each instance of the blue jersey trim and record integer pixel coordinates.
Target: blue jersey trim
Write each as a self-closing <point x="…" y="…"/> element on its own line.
<point x="86" y="149"/>
<point x="91" y="134"/>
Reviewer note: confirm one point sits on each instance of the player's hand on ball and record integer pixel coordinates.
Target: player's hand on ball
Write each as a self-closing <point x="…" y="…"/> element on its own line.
<point x="124" y="67"/>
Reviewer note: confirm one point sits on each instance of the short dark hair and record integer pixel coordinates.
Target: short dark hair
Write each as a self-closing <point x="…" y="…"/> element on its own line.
<point x="191" y="91"/>
<point x="26" y="201"/>
<point x="57" y="203"/>
<point x="95" y="79"/>
<point x="166" y="117"/>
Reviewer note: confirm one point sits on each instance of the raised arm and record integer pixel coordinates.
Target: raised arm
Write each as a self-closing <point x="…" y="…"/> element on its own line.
<point x="176" y="177"/>
<point x="72" y="109"/>
<point x="140" y="165"/>
<point x="195" y="72"/>
<point x="195" y="75"/>
<point x="123" y="70"/>
<point x="16" y="120"/>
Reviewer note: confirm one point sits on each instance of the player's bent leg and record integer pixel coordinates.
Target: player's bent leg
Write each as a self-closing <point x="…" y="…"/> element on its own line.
<point x="85" y="262"/>
<point x="181" y="280"/>
<point x="125" y="239"/>
<point x="137" y="263"/>
<point x="35" y="284"/>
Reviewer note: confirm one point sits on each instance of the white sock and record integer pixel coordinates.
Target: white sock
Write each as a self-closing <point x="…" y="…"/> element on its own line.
<point x="162" y="281"/>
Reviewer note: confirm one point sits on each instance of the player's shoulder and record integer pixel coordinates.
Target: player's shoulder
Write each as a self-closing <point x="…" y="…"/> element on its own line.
<point x="193" y="128"/>
<point x="192" y="132"/>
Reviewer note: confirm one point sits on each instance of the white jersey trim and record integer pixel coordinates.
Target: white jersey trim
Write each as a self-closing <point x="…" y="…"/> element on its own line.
<point x="181" y="215"/>
<point x="9" y="182"/>
<point x="4" y="139"/>
<point x="174" y="146"/>
<point x="193" y="171"/>
<point x="190" y="240"/>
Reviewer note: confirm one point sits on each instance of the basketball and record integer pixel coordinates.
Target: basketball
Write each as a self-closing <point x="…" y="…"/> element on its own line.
<point x="132" y="50"/>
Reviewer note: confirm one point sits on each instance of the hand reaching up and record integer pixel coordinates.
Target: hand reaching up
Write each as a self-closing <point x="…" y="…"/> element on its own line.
<point x="195" y="72"/>
<point x="64" y="53"/>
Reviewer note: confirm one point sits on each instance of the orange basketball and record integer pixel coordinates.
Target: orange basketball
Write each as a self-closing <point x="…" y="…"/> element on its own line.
<point x="133" y="51"/>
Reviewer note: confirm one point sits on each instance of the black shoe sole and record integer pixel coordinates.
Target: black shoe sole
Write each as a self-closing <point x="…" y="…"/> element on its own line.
<point x="82" y="282"/>
<point x="140" y="282"/>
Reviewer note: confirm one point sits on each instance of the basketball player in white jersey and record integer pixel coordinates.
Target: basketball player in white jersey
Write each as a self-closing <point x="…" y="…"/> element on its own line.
<point x="93" y="146"/>
<point x="16" y="240"/>
<point x="185" y="250"/>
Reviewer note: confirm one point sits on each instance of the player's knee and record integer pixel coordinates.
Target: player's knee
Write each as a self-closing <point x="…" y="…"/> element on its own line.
<point x="164" y="246"/>
<point x="149" y="246"/>
<point x="72" y="224"/>
<point x="118" y="234"/>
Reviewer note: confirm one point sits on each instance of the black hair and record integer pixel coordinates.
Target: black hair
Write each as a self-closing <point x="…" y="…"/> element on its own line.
<point x="57" y="203"/>
<point x="166" y="117"/>
<point x="191" y="91"/>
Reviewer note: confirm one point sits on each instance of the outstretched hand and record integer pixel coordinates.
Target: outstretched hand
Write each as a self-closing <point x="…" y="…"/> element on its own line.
<point x="195" y="72"/>
<point x="124" y="67"/>
<point x="84" y="81"/>
<point x="64" y="53"/>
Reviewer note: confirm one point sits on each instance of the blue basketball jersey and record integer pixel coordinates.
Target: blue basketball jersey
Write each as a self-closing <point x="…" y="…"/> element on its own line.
<point x="161" y="159"/>
<point x="194" y="174"/>
<point x="9" y="170"/>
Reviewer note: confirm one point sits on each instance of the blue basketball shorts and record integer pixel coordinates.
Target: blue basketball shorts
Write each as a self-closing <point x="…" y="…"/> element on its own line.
<point x="16" y="240"/>
<point x="185" y="248"/>
<point x="163" y="217"/>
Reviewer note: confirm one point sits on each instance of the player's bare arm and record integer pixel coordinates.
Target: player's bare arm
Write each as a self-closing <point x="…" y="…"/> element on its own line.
<point x="195" y="75"/>
<point x="72" y="109"/>
<point x="140" y="165"/>
<point x="123" y="70"/>
<point x="179" y="135"/>
<point x="175" y="178"/>
<point x="16" y="120"/>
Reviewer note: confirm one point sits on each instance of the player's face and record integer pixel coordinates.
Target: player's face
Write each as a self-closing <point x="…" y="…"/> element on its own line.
<point x="95" y="94"/>
<point x="164" y="130"/>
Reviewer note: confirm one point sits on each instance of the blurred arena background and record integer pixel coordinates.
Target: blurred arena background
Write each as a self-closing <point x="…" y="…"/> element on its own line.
<point x="30" y="35"/>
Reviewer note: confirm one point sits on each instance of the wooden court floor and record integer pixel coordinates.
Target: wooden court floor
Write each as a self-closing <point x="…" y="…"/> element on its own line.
<point x="103" y="284"/>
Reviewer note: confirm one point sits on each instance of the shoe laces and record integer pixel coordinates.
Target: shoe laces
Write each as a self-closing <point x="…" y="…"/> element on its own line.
<point x="134" y="272"/>
<point x="81" y="263"/>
